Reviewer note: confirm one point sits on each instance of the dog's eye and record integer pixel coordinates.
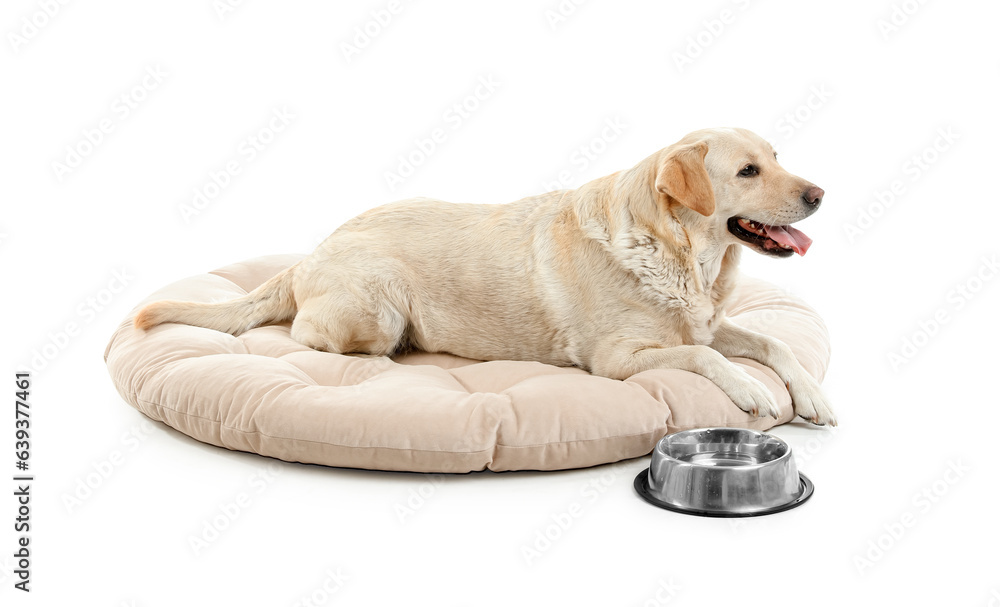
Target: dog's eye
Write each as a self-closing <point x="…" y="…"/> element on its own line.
<point x="749" y="170"/>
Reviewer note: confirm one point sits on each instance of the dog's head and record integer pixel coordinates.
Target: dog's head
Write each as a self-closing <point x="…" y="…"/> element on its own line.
<point x="732" y="179"/>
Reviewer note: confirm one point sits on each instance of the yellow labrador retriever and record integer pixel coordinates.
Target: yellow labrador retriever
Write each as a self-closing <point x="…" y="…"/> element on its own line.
<point x="629" y="272"/>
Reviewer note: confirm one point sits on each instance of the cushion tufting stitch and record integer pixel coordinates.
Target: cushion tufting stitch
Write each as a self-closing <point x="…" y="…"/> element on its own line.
<point x="264" y="393"/>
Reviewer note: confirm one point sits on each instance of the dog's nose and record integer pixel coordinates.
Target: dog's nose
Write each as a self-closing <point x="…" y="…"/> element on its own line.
<point x="813" y="196"/>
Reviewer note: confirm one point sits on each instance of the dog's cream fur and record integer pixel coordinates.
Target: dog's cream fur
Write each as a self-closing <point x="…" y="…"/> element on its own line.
<point x="627" y="273"/>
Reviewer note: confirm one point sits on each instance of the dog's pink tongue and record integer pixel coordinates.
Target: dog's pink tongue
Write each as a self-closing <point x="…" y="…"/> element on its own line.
<point x="790" y="237"/>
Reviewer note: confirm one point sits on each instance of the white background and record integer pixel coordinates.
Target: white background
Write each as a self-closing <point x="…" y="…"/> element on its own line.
<point x="867" y="100"/>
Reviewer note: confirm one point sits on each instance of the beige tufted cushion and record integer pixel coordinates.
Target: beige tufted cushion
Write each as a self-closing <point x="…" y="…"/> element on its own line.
<point x="263" y="392"/>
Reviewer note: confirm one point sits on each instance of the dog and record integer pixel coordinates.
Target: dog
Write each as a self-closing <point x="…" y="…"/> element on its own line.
<point x="629" y="272"/>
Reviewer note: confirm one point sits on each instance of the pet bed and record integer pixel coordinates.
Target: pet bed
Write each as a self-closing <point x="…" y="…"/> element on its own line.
<point x="264" y="393"/>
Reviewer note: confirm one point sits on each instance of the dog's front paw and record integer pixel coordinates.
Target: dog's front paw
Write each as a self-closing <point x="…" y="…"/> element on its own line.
<point x="751" y="395"/>
<point x="810" y="403"/>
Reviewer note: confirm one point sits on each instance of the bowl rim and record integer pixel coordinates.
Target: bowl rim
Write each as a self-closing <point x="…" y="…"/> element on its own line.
<point x="748" y="467"/>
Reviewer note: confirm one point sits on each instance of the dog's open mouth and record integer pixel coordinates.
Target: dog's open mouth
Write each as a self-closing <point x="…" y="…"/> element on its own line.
<point x="780" y="241"/>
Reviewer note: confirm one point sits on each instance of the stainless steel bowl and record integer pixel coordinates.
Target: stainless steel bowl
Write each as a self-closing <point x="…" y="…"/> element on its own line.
<point x="723" y="472"/>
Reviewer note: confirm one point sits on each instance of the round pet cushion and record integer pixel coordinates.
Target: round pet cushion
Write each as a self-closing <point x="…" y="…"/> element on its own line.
<point x="264" y="393"/>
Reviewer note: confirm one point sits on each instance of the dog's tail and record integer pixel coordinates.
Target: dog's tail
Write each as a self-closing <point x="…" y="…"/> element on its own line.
<point x="271" y="302"/>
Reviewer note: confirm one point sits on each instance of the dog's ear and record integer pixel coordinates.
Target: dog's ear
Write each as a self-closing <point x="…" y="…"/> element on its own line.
<point x="682" y="176"/>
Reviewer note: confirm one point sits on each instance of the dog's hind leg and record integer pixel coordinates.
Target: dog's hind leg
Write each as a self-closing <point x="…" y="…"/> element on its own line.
<point x="343" y="322"/>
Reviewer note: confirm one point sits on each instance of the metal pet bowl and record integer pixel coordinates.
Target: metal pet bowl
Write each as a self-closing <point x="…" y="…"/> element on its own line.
<point x="723" y="472"/>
